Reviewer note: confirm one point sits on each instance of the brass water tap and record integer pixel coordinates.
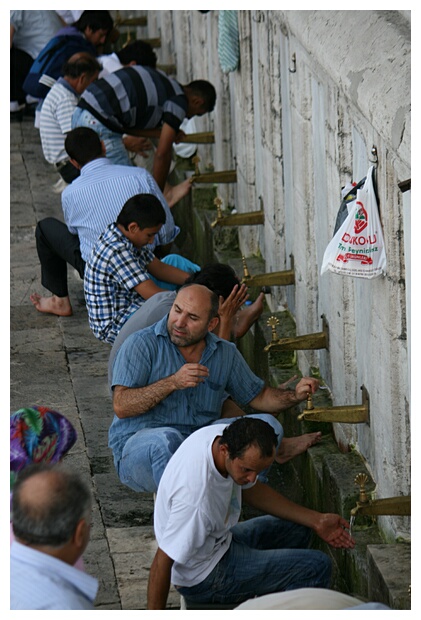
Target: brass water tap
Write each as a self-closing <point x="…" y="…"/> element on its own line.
<point x="196" y="161"/>
<point x="246" y="275"/>
<point x="218" y="203"/>
<point x="361" y="480"/>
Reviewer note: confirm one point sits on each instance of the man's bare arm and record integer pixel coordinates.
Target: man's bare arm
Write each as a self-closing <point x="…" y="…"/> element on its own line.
<point x="331" y="528"/>
<point x="163" y="155"/>
<point x="273" y="400"/>
<point x="159" y="580"/>
<point x="130" y="402"/>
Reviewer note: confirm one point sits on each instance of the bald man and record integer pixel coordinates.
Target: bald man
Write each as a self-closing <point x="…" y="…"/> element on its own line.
<point x="172" y="378"/>
<point x="51" y="524"/>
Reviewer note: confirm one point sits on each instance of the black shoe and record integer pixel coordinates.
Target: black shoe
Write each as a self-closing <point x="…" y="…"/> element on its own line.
<point x="29" y="109"/>
<point x="16" y="117"/>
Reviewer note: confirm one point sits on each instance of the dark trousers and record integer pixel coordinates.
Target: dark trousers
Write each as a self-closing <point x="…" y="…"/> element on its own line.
<point x="67" y="171"/>
<point x="56" y="248"/>
<point x="20" y="63"/>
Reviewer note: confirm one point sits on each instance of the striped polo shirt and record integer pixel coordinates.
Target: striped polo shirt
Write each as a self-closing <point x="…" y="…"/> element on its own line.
<point x="56" y="120"/>
<point x="136" y="97"/>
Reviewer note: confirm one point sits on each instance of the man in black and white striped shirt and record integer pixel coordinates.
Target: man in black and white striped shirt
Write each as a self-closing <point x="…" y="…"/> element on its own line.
<point x="139" y="100"/>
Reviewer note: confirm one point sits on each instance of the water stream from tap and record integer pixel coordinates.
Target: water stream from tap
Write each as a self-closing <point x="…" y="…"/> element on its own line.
<point x="351" y="523"/>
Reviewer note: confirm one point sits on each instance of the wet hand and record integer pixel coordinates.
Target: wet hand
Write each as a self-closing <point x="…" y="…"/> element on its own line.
<point x="190" y="375"/>
<point x="305" y="386"/>
<point x="334" y="530"/>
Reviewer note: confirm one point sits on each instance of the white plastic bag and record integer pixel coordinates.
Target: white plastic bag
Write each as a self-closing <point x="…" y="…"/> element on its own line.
<point x="357" y="248"/>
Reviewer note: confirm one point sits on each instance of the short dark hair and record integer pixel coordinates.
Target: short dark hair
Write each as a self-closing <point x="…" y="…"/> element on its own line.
<point x="248" y="431"/>
<point x="95" y="20"/>
<point x="139" y="51"/>
<point x="144" y="209"/>
<point x="214" y="299"/>
<point x="220" y="278"/>
<point x="84" y="63"/>
<point x="206" y="90"/>
<point x="51" y="521"/>
<point x="83" y="145"/>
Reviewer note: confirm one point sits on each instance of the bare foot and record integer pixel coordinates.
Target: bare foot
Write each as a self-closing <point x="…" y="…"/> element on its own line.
<point x="245" y="318"/>
<point x="174" y="193"/>
<point x="59" y="306"/>
<point x="293" y="446"/>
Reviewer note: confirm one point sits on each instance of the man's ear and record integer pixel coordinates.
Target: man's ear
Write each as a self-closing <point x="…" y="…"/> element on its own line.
<point x="103" y="149"/>
<point x="75" y="164"/>
<point x="223" y="449"/>
<point x="80" y="535"/>
<point x="213" y="323"/>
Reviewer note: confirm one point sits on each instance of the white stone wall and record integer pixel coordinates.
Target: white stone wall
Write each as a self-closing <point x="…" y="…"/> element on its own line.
<point x="296" y="138"/>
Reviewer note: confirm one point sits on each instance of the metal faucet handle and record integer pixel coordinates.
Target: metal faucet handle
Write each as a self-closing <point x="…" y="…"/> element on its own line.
<point x="196" y="161"/>
<point x="361" y="480"/>
<point x="245" y="269"/>
<point x="272" y="322"/>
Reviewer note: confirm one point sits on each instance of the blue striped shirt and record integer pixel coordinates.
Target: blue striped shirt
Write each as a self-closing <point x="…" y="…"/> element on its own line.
<point x="40" y="581"/>
<point x="148" y="356"/>
<point x="94" y="200"/>
<point x="136" y="97"/>
<point x="113" y="270"/>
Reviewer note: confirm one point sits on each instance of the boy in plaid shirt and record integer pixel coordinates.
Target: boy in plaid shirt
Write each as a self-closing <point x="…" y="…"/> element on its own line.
<point x="122" y="270"/>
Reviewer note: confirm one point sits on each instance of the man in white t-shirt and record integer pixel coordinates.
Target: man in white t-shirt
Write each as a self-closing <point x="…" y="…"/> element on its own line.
<point x="205" y="552"/>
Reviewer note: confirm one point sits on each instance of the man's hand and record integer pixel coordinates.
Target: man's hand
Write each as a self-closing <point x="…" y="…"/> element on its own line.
<point x="180" y="136"/>
<point x="229" y="307"/>
<point x="333" y="529"/>
<point x="141" y="146"/>
<point x="190" y="375"/>
<point x="306" y="385"/>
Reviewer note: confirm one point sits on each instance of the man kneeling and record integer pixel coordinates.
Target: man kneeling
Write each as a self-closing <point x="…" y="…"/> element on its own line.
<point x="205" y="552"/>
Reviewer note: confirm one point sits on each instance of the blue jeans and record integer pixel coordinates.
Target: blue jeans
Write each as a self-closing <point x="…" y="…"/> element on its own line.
<point x="266" y="555"/>
<point x="147" y="452"/>
<point x="113" y="141"/>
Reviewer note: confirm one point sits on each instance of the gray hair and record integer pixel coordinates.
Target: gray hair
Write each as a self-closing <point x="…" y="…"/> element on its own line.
<point x="49" y="520"/>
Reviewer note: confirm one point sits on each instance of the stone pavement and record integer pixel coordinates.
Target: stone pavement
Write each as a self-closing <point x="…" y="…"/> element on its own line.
<point x="57" y="362"/>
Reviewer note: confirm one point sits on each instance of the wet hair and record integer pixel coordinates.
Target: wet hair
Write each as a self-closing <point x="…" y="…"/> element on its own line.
<point x="95" y="20"/>
<point x="52" y="520"/>
<point x="245" y="432"/>
<point x="220" y="278"/>
<point x="83" y="145"/>
<point x="139" y="51"/>
<point x="143" y="209"/>
<point x="84" y="63"/>
<point x="204" y="89"/>
<point x="214" y="299"/>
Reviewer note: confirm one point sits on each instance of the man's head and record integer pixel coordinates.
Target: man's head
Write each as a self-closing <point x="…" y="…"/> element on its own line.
<point x="141" y="219"/>
<point x="194" y="313"/>
<point x="201" y="96"/>
<point x="246" y="447"/>
<point x="220" y="278"/>
<point x="83" y="145"/>
<point x="80" y="70"/>
<point x="51" y="510"/>
<point x="95" y="25"/>
<point x="137" y="53"/>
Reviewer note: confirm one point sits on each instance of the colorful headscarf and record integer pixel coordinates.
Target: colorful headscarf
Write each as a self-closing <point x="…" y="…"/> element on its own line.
<point x="38" y="435"/>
